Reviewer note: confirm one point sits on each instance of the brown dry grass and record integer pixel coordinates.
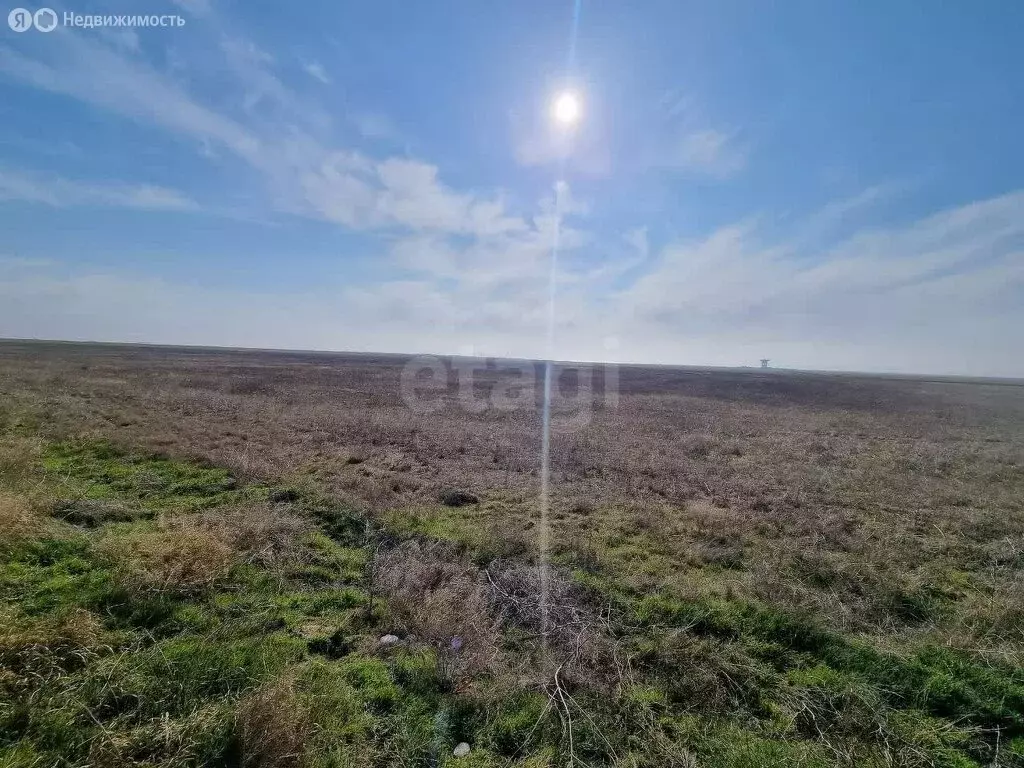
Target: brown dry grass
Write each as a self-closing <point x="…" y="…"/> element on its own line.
<point x="35" y="651"/>
<point x="265" y="534"/>
<point x="182" y="560"/>
<point x="441" y="599"/>
<point x="19" y="457"/>
<point x="840" y="494"/>
<point x="189" y="553"/>
<point x="18" y="519"/>
<point x="74" y="633"/>
<point x="272" y="726"/>
<point x="701" y="516"/>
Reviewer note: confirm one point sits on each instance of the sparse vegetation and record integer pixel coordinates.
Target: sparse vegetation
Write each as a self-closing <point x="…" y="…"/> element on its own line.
<point x="749" y="570"/>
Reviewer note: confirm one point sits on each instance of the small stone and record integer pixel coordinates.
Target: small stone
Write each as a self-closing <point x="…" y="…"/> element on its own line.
<point x="461" y="750"/>
<point x="389" y="640"/>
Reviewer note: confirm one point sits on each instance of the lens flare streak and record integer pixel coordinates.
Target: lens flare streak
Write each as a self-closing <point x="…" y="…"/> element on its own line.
<point x="544" y="532"/>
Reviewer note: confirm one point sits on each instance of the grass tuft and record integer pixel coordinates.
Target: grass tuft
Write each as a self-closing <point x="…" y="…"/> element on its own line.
<point x="273" y="726"/>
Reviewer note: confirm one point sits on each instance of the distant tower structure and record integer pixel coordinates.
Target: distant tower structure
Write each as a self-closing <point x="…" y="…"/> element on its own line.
<point x="764" y="362"/>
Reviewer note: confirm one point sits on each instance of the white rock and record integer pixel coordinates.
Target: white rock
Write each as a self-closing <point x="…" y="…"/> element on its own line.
<point x="461" y="750"/>
<point x="389" y="640"/>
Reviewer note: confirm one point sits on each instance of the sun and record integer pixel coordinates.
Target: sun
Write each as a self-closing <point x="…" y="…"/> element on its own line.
<point x="566" y="109"/>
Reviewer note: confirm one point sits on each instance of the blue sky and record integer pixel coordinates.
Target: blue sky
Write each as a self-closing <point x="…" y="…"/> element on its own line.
<point x="832" y="185"/>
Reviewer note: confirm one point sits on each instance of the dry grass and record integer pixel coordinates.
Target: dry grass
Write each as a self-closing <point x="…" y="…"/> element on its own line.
<point x="440" y="599"/>
<point x="735" y="473"/>
<point x="273" y="727"/>
<point x="189" y="553"/>
<point x="183" y="559"/>
<point x="35" y="652"/>
<point x="19" y="460"/>
<point x="177" y="742"/>
<point x="27" y="645"/>
<point x="775" y="565"/>
<point x="268" y="535"/>
<point x="18" y="519"/>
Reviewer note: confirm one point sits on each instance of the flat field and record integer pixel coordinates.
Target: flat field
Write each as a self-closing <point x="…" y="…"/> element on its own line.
<point x="202" y="549"/>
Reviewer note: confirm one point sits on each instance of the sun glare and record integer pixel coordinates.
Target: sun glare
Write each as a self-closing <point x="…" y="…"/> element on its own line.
<point x="566" y="109"/>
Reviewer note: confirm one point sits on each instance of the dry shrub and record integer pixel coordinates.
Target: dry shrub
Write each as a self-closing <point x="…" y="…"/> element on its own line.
<point x="457" y="498"/>
<point x="651" y="518"/>
<point x="441" y="599"/>
<point x="581" y="507"/>
<point x="92" y="513"/>
<point x="272" y="727"/>
<point x="18" y="520"/>
<point x="567" y="621"/>
<point x="506" y="537"/>
<point x="697" y="446"/>
<point x="723" y="549"/>
<point x="247" y="464"/>
<point x="516" y="595"/>
<point x="375" y="491"/>
<point x="184" y="559"/>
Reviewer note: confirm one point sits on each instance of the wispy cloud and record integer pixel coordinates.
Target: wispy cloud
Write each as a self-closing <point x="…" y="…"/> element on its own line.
<point x="278" y="138"/>
<point x="904" y="297"/>
<point x="372" y="125"/>
<point x="60" y="192"/>
<point x="710" y="152"/>
<point x="95" y="74"/>
<point x="317" y="72"/>
<point x="684" y="139"/>
<point x="126" y="39"/>
<point x="941" y="294"/>
<point x="360" y="193"/>
<point x="637" y="238"/>
<point x="465" y="266"/>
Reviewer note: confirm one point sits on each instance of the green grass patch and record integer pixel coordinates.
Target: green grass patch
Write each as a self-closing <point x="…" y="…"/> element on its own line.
<point x="98" y="667"/>
<point x="97" y="470"/>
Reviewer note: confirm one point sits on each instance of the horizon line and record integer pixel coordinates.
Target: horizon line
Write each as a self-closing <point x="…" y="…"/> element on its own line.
<point x="907" y="375"/>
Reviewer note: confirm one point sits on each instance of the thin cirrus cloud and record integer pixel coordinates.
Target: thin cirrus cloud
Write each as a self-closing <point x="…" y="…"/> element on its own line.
<point x="306" y="176"/>
<point x="317" y="72"/>
<point x="497" y="251"/>
<point x="683" y="139"/>
<point x="95" y="74"/>
<point x="940" y="294"/>
<point x="709" y="152"/>
<point x="59" y="192"/>
<point x="943" y="293"/>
